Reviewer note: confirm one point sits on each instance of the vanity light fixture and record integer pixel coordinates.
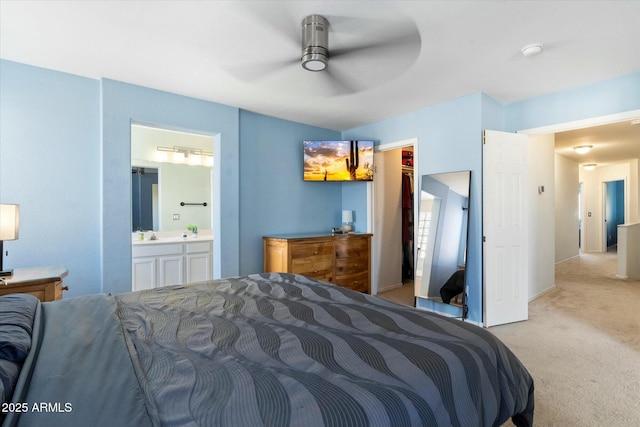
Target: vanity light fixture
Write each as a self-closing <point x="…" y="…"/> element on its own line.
<point x="582" y="149"/>
<point x="192" y="156"/>
<point x="589" y="166"/>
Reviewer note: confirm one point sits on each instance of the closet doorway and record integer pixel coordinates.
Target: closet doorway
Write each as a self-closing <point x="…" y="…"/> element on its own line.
<point x="393" y="209"/>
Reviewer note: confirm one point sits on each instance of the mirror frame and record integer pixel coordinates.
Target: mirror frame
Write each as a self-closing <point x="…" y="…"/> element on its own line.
<point x="140" y="158"/>
<point x="447" y="192"/>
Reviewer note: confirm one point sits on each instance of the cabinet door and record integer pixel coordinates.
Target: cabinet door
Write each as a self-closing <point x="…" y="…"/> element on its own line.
<point x="199" y="267"/>
<point x="144" y="273"/>
<point x="170" y="268"/>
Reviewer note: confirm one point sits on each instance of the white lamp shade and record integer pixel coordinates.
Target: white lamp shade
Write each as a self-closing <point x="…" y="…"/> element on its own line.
<point x="347" y="217"/>
<point x="9" y="221"/>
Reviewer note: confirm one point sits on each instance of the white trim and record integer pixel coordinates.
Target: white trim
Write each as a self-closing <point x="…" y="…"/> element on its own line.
<point x="584" y="123"/>
<point x="544" y="292"/>
<point x="370" y="206"/>
<point x="389" y="288"/>
<point x="399" y="144"/>
<point x="411" y="142"/>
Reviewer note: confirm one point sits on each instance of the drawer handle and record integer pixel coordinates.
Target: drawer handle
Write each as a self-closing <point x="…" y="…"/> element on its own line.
<point x="315" y="253"/>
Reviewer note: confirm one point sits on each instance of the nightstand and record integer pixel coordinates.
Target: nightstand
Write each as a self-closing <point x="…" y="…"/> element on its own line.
<point x="45" y="283"/>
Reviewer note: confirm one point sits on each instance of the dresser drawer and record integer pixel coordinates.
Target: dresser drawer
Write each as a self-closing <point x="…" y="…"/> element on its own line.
<point x="357" y="282"/>
<point x="322" y="257"/>
<point x="351" y="247"/>
<point x="352" y="265"/>
<point x="319" y="267"/>
<point x="311" y="250"/>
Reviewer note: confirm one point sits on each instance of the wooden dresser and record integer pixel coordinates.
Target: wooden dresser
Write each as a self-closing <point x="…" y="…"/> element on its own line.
<point x="342" y="259"/>
<point x="45" y="283"/>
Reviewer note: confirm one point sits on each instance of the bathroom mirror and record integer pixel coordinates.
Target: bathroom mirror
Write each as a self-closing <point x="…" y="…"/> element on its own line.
<point x="442" y="238"/>
<point x="171" y="179"/>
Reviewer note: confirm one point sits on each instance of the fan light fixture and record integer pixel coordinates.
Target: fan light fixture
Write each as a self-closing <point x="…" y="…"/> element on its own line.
<point x="315" y="43"/>
<point x="589" y="166"/>
<point x="582" y="149"/>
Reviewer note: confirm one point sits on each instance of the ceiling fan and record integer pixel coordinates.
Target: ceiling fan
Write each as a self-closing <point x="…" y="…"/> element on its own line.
<point x="368" y="53"/>
<point x="315" y="43"/>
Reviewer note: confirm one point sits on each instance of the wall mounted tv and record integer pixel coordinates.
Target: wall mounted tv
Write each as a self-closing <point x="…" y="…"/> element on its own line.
<point x="338" y="160"/>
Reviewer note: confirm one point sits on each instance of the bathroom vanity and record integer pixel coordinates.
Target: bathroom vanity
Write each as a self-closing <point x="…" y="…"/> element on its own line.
<point x="171" y="261"/>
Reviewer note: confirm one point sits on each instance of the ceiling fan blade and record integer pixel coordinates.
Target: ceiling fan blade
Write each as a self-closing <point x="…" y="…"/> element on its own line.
<point x="274" y="17"/>
<point x="253" y="72"/>
<point x="339" y="83"/>
<point x="408" y="40"/>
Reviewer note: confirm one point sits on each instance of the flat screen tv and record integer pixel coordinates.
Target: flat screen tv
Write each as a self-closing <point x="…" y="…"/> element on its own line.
<point x="338" y="160"/>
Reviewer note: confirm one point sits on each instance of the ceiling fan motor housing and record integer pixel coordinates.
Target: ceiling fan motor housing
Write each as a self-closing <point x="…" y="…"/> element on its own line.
<point x="315" y="43"/>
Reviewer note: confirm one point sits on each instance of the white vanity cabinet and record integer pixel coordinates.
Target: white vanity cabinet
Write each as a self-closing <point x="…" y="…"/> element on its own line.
<point x="198" y="262"/>
<point x="158" y="263"/>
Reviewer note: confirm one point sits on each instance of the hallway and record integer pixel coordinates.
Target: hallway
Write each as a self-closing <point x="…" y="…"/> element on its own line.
<point x="582" y="345"/>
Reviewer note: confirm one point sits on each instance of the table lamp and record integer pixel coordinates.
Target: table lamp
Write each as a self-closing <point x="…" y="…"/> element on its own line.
<point x="347" y="220"/>
<point x="9" y="224"/>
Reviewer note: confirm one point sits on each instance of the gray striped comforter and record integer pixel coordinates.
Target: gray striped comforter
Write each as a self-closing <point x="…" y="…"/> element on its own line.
<point x="285" y="350"/>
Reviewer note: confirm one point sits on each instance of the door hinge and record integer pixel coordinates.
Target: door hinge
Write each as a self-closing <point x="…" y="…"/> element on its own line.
<point x="484" y="239"/>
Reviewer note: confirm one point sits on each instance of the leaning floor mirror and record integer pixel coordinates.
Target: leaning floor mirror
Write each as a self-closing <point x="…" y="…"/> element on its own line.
<point x="442" y="239"/>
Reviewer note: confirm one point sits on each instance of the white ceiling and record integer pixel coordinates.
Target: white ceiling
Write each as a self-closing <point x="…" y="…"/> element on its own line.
<point x="246" y="53"/>
<point x="612" y="143"/>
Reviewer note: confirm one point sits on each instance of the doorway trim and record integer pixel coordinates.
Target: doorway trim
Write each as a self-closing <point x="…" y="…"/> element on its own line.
<point x="584" y="123"/>
<point x="580" y="124"/>
<point x="411" y="142"/>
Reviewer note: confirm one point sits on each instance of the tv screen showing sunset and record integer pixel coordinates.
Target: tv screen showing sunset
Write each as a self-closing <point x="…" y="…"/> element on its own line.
<point x="338" y="160"/>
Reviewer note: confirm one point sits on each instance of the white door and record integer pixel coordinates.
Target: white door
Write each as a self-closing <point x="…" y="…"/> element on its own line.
<point x="505" y="228"/>
<point x="387" y="228"/>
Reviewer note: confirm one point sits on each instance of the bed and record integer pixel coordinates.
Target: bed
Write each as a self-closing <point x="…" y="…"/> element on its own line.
<point x="266" y="349"/>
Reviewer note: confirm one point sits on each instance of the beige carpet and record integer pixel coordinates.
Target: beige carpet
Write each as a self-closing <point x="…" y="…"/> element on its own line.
<point x="581" y="344"/>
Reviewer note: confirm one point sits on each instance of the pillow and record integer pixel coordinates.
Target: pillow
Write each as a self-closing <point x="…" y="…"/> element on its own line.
<point x="17" y="312"/>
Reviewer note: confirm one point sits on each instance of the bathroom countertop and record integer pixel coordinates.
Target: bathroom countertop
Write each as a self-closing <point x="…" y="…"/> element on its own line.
<point x="165" y="240"/>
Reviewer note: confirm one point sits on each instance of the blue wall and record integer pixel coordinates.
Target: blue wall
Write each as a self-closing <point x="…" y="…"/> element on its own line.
<point x="614" y="210"/>
<point x="449" y="139"/>
<point x="123" y="104"/>
<point x="65" y="149"/>
<point x="598" y="99"/>
<point x="49" y="165"/>
<point x="274" y="198"/>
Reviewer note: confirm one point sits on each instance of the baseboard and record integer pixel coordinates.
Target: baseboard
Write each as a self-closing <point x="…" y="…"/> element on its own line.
<point x="390" y="287"/>
<point x="567" y="259"/>
<point x="546" y="291"/>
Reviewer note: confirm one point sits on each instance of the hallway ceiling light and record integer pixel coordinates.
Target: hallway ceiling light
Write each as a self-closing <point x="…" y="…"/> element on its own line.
<point x="589" y="166"/>
<point x="582" y="149"/>
<point x="531" y="49"/>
